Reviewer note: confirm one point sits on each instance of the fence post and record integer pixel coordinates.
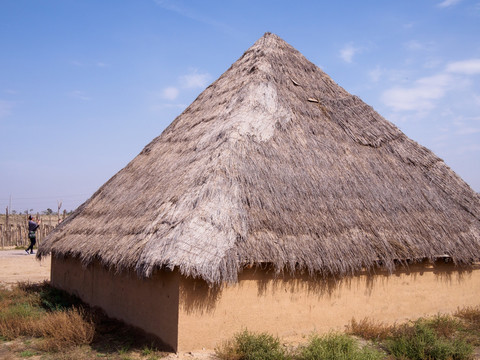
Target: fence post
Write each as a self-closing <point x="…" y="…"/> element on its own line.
<point x="7" y="228"/>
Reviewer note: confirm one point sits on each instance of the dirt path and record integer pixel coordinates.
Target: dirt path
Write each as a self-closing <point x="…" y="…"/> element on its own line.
<point x="17" y="266"/>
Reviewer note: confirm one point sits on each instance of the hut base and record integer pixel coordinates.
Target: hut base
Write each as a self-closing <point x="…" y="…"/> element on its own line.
<point x="188" y="315"/>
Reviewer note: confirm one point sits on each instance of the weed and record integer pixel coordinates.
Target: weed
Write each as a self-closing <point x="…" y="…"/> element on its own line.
<point x="26" y="354"/>
<point x="151" y="352"/>
<point x="336" y="346"/>
<point x="470" y="317"/>
<point x="147" y="351"/>
<point x="22" y="313"/>
<point x="419" y="341"/>
<point x="250" y="346"/>
<point x="444" y="325"/>
<point x="470" y="314"/>
<point x="124" y="349"/>
<point x="369" y="329"/>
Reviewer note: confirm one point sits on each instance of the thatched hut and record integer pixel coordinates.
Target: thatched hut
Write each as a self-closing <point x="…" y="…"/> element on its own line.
<point x="276" y="201"/>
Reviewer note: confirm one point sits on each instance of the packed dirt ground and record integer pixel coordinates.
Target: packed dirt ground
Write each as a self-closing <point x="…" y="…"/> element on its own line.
<point x="17" y="266"/>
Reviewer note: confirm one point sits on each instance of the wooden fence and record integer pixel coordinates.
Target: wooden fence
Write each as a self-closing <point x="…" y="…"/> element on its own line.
<point x="14" y="229"/>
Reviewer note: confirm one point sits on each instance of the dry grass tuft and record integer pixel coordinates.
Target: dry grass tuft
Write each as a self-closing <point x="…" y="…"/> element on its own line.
<point x="369" y="329"/>
<point x="64" y="329"/>
<point x="18" y="313"/>
<point x="470" y="314"/>
<point x="471" y="319"/>
<point x="23" y="313"/>
<point x="12" y="327"/>
<point x="444" y="325"/>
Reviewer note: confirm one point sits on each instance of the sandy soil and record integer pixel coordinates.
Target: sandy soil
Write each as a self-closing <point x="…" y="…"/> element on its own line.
<point x="17" y="266"/>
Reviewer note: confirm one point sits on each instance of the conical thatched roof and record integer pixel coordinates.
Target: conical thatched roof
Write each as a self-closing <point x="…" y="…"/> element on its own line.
<point x="275" y="163"/>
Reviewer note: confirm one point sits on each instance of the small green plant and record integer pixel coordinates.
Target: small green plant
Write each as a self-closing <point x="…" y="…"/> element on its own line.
<point x="251" y="346"/>
<point x="147" y="351"/>
<point x="419" y="341"/>
<point x="124" y="349"/>
<point x="27" y="354"/>
<point x="336" y="346"/>
<point x="150" y="351"/>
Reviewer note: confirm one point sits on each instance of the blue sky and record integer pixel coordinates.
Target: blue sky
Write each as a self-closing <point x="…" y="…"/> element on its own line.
<point x="86" y="84"/>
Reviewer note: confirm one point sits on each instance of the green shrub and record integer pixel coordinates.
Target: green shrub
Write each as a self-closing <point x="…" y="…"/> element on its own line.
<point x="336" y="346"/>
<point x="421" y="342"/>
<point x="250" y="346"/>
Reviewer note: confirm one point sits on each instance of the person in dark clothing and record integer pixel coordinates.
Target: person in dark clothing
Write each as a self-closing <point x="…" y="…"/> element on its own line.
<point x="32" y="228"/>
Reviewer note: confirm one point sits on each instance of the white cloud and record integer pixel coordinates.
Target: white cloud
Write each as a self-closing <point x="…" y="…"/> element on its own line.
<point x="436" y="84"/>
<point x="466" y="149"/>
<point x="348" y="52"/>
<point x="476" y="98"/>
<point x="375" y="74"/>
<point x="78" y="94"/>
<point x="414" y="45"/>
<point x="447" y="3"/>
<point x="467" y="131"/>
<point x="466" y="67"/>
<point x="419" y="97"/>
<point x="467" y="126"/>
<point x="5" y="108"/>
<point x="189" y="13"/>
<point x="194" y="80"/>
<point x="88" y="64"/>
<point x="432" y="63"/>
<point x="425" y="92"/>
<point x="170" y="93"/>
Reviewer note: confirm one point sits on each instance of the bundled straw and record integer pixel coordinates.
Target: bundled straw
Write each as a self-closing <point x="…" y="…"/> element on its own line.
<point x="275" y="163"/>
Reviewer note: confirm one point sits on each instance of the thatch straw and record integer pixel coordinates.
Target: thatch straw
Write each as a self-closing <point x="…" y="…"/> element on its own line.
<point x="275" y="163"/>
